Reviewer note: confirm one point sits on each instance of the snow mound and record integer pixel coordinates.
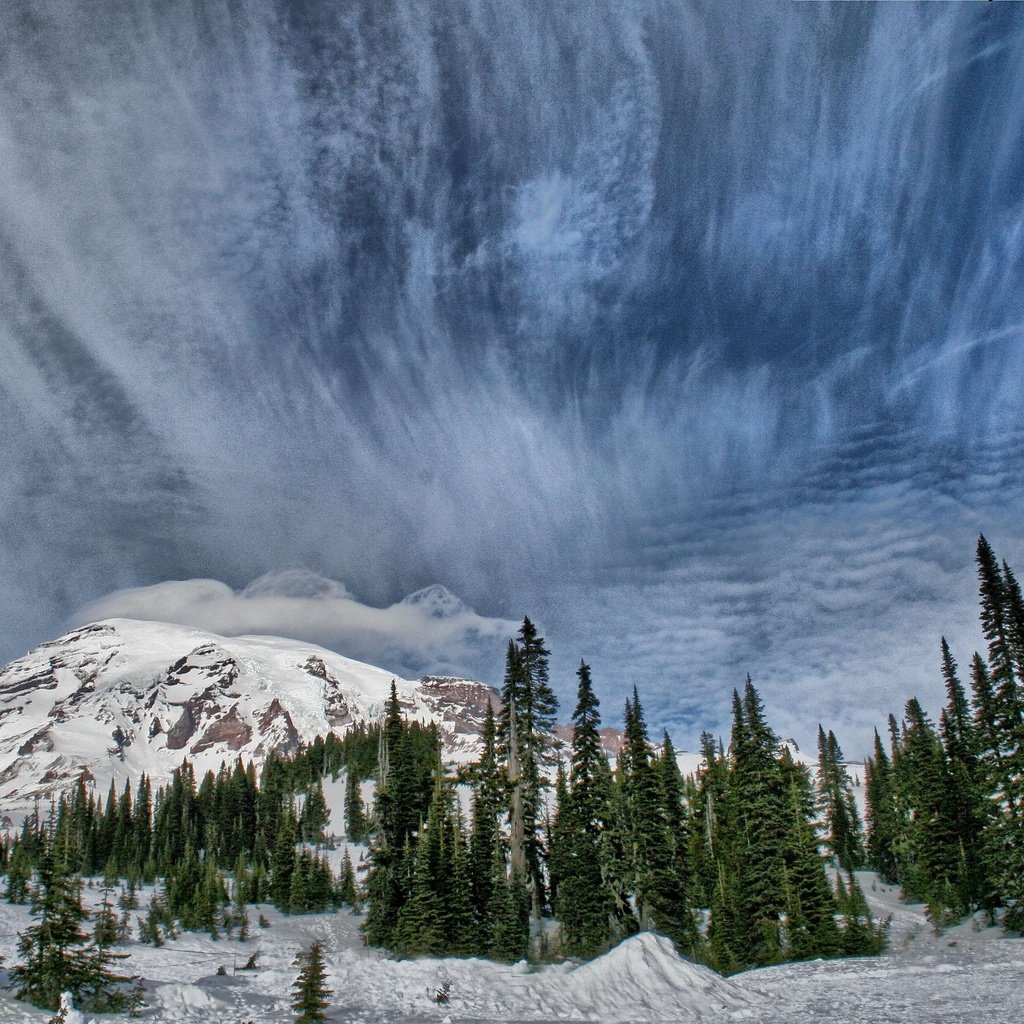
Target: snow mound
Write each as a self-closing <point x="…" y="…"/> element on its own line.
<point x="643" y="978"/>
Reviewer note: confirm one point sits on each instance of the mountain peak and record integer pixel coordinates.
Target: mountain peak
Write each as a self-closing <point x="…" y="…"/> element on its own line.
<point x="295" y="583"/>
<point x="119" y="697"/>
<point x="437" y="601"/>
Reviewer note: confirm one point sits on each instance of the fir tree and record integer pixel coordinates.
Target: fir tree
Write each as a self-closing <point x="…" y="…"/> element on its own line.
<point x="527" y="718"/>
<point x="585" y="900"/>
<point x="488" y="800"/>
<point x="355" y="813"/>
<point x="660" y="890"/>
<point x="311" y="997"/>
<point x="882" y="820"/>
<point x="56" y="953"/>
<point x="843" y="837"/>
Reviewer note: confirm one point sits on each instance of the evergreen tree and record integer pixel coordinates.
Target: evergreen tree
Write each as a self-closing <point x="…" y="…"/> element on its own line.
<point x="355" y="813"/>
<point x="488" y="800"/>
<point x="965" y="795"/>
<point x="882" y="819"/>
<point x="932" y="871"/>
<point x="311" y="997"/>
<point x="527" y="718"/>
<point x="315" y="815"/>
<point x="660" y="891"/>
<point x="57" y="956"/>
<point x="810" y="907"/>
<point x="585" y="900"/>
<point x="757" y="789"/>
<point x="843" y="837"/>
<point x="347" y="893"/>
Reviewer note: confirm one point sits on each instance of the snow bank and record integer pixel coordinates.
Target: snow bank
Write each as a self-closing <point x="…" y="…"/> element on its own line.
<point x="644" y="978"/>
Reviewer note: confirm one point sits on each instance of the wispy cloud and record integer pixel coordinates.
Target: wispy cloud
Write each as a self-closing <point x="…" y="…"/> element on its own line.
<point x="623" y="314"/>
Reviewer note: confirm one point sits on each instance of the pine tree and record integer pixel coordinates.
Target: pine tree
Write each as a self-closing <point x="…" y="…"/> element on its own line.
<point x="347" y="893"/>
<point x="759" y="794"/>
<point x="315" y="815"/>
<point x="810" y="907"/>
<point x="932" y="873"/>
<point x="585" y="900"/>
<point x="660" y="891"/>
<point x="843" y="837"/>
<point x="355" y="813"/>
<point x="965" y="796"/>
<point x="284" y="861"/>
<point x="311" y="997"/>
<point x="488" y="801"/>
<point x="56" y="953"/>
<point x="527" y="718"/>
<point x="882" y="820"/>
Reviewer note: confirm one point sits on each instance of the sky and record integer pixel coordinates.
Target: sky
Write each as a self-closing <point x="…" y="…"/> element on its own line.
<point x="691" y="330"/>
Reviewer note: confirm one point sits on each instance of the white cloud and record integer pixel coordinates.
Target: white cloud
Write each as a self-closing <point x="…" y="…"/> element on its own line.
<point x="428" y="631"/>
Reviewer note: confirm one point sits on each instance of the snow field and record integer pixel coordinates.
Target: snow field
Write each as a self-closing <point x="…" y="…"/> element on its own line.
<point x="968" y="973"/>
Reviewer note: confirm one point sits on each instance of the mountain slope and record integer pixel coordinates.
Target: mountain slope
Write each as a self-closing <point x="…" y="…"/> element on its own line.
<point x="120" y="697"/>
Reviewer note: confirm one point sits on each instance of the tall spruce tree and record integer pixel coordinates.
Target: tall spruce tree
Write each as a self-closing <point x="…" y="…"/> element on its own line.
<point x="843" y="834"/>
<point x="965" y="795"/>
<point x="810" y="906"/>
<point x="527" y="719"/>
<point x="882" y="819"/>
<point x="759" y="794"/>
<point x="488" y="801"/>
<point x="660" y="890"/>
<point x="585" y="899"/>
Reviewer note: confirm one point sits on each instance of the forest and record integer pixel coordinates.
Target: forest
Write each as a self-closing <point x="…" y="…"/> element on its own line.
<point x="543" y="849"/>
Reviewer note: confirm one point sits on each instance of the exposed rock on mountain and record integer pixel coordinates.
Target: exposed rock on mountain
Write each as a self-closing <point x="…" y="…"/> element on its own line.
<point x="121" y="697"/>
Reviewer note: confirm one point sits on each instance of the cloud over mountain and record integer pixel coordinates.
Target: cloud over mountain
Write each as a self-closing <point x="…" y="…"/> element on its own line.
<point x="428" y="631"/>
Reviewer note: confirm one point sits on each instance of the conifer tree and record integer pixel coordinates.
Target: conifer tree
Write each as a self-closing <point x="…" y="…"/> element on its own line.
<point x="660" y="891"/>
<point x="585" y="899"/>
<point x="843" y="837"/>
<point x="931" y="873"/>
<point x="347" y="893"/>
<point x="315" y="815"/>
<point x="882" y="821"/>
<point x="355" y="813"/>
<point x="312" y="997"/>
<point x="488" y="800"/>
<point x="810" y="906"/>
<point x="527" y="718"/>
<point x="965" y="795"/>
<point x="56" y="953"/>
<point x="758" y="791"/>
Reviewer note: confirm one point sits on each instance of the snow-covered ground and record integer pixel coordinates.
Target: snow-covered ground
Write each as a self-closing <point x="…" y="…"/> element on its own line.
<point x="969" y="973"/>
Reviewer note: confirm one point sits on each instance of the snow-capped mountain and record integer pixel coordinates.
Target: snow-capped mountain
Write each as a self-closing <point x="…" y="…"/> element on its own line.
<point x="120" y="697"/>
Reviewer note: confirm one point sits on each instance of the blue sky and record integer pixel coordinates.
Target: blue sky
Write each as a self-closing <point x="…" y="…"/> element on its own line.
<point x="692" y="330"/>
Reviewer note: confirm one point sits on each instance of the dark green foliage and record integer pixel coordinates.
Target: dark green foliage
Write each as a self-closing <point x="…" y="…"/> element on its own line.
<point x="527" y="717"/>
<point x="57" y="955"/>
<point x="584" y="899"/>
<point x="660" y="889"/>
<point x="311" y="997"/>
<point x="314" y="815"/>
<point x="810" y="906"/>
<point x="355" y="813"/>
<point x="510" y="912"/>
<point x="860" y="935"/>
<point x="843" y="835"/>
<point x="347" y="893"/>
<point x="882" y="815"/>
<point x="488" y="802"/>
